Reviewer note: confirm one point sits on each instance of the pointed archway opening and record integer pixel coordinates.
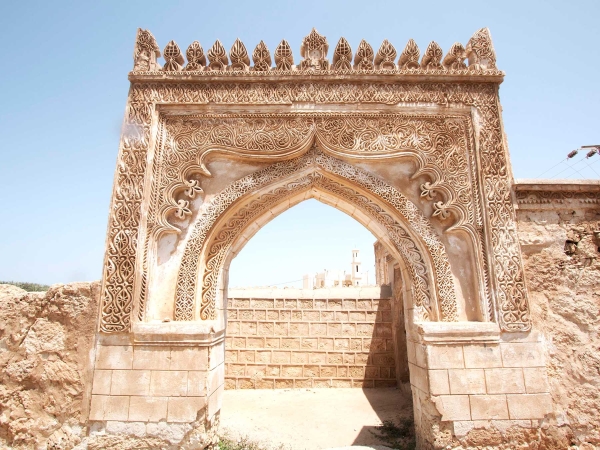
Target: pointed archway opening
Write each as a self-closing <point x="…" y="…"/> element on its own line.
<point x="307" y="309"/>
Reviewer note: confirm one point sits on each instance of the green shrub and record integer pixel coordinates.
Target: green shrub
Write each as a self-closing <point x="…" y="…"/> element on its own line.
<point x="29" y="287"/>
<point x="400" y="437"/>
<point x="228" y="443"/>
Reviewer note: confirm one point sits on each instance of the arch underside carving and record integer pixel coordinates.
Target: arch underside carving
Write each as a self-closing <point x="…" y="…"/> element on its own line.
<point x="426" y="261"/>
<point x="145" y="154"/>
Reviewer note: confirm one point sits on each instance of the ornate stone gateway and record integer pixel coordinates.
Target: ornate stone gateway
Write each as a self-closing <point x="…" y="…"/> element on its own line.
<point x="411" y="146"/>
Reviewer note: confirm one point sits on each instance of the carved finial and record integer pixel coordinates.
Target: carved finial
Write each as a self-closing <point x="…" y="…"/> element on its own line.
<point x="409" y="59"/>
<point x="239" y="56"/>
<point x="217" y="56"/>
<point x="432" y="57"/>
<point x="314" y="51"/>
<point x="384" y="60"/>
<point x="342" y="55"/>
<point x="364" y="56"/>
<point x="284" y="59"/>
<point x="455" y="59"/>
<point x="145" y="52"/>
<point x="261" y="58"/>
<point x="480" y="51"/>
<point x="195" y="57"/>
<point x="173" y="57"/>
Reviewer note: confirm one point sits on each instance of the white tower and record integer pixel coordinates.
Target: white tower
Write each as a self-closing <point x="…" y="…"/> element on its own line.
<point x="356" y="274"/>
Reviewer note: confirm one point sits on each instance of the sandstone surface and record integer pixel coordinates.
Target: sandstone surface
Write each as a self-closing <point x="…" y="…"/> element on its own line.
<point x="561" y="256"/>
<point x="45" y="344"/>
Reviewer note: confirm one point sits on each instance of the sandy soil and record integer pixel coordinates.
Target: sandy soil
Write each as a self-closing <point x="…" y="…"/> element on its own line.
<point x="311" y="418"/>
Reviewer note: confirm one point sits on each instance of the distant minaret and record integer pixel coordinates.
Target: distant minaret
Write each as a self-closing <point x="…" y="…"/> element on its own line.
<point x="356" y="273"/>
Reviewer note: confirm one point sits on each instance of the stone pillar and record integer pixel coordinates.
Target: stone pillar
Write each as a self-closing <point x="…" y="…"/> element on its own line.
<point x="163" y="381"/>
<point x="467" y="375"/>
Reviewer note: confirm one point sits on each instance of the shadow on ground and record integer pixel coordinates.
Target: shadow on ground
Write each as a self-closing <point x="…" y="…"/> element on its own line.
<point x="390" y="409"/>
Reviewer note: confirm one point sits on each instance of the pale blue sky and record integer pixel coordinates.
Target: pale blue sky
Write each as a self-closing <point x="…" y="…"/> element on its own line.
<point x="64" y="86"/>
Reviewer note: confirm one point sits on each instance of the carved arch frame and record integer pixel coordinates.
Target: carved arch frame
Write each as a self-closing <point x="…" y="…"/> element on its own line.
<point x="132" y="219"/>
<point x="246" y="199"/>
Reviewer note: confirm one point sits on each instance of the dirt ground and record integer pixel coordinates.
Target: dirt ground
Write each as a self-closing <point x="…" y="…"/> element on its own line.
<point x="302" y="419"/>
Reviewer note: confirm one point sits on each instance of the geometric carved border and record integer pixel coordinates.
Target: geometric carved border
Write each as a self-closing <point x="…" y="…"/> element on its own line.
<point x="538" y="196"/>
<point x="499" y="230"/>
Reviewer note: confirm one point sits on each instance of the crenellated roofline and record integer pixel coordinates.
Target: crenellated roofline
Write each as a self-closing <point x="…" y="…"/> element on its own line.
<point x="475" y="62"/>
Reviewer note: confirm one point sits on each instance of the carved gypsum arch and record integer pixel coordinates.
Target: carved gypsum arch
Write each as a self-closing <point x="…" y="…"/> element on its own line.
<point x="226" y="231"/>
<point x="186" y="282"/>
<point x="511" y="306"/>
<point x="430" y="139"/>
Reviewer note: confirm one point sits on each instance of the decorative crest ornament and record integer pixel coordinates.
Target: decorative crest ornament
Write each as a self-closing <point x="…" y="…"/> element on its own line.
<point x="314" y="48"/>
<point x="342" y="55"/>
<point x="173" y="57"/>
<point x="363" y="60"/>
<point x="314" y="51"/>
<point x="386" y="55"/>
<point x="217" y="56"/>
<point x="480" y="51"/>
<point x="239" y="56"/>
<point x="261" y="58"/>
<point x="432" y="57"/>
<point x="145" y="52"/>
<point x="195" y="57"/>
<point x="455" y="59"/>
<point x="284" y="59"/>
<point x="409" y="59"/>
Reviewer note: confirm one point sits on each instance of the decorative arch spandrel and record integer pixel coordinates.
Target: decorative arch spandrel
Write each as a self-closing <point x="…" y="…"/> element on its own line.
<point x="427" y="262"/>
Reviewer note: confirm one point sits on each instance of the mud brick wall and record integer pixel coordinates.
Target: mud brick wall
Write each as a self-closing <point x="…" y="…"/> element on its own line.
<point x="309" y="342"/>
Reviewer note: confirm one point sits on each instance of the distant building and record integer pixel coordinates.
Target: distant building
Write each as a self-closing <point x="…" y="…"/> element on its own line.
<point x="338" y="278"/>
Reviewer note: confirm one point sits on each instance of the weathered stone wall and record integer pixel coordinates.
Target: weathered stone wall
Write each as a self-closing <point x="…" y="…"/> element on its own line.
<point x="46" y="340"/>
<point x="296" y="338"/>
<point x="48" y="360"/>
<point x="559" y="232"/>
<point x="561" y="254"/>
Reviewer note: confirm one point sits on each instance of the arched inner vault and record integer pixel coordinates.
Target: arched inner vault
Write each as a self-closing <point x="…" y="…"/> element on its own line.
<point x="241" y="209"/>
<point x="318" y="193"/>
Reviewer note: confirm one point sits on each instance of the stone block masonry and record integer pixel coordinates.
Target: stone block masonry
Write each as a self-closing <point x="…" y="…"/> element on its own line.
<point x="473" y="374"/>
<point x="163" y="383"/>
<point x="134" y="382"/>
<point x="342" y="340"/>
